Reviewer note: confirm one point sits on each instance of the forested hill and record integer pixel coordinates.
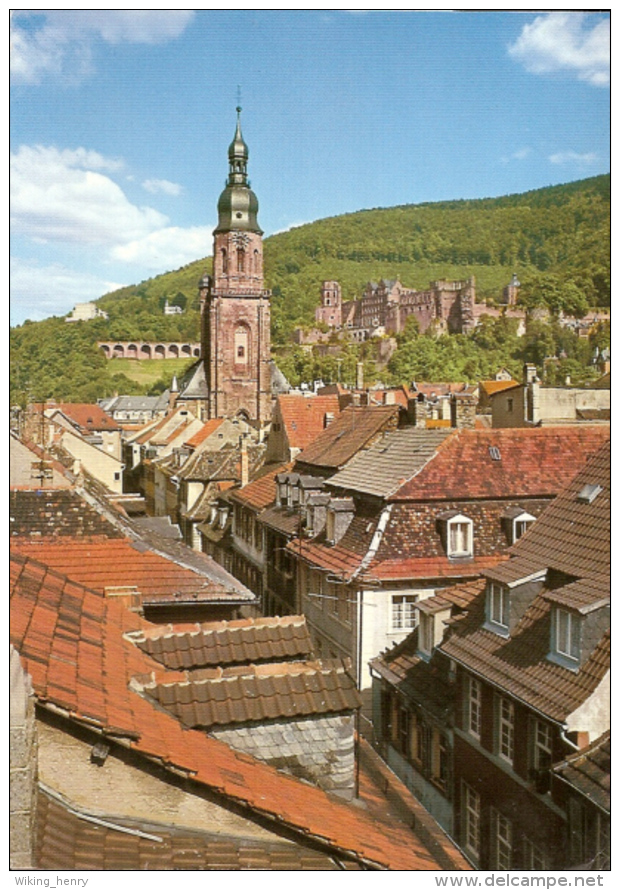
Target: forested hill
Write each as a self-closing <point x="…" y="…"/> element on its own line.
<point x="561" y="231"/>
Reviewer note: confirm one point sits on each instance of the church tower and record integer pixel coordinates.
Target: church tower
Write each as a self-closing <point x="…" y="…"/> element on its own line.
<point x="235" y="308"/>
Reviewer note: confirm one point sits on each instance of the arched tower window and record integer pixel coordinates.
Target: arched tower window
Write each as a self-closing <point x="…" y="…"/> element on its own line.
<point x="224" y="261"/>
<point x="240" y="259"/>
<point x="242" y="345"/>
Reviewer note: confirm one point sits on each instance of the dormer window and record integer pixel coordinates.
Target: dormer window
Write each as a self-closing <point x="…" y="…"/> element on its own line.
<point x="498" y="608"/>
<point x="458" y="533"/>
<point x="516" y="522"/>
<point x="565" y="632"/>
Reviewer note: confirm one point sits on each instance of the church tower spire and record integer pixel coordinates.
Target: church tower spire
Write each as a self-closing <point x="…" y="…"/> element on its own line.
<point x="236" y="344"/>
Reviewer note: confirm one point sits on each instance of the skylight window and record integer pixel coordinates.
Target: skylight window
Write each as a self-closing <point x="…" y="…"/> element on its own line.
<point x="588" y="493"/>
<point x="495" y="453"/>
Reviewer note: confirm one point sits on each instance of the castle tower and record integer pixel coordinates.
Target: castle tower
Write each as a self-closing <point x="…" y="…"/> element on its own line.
<point x="330" y="310"/>
<point x="235" y="307"/>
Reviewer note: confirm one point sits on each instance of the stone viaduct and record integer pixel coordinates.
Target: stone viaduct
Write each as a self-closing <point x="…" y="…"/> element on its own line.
<point x="139" y="349"/>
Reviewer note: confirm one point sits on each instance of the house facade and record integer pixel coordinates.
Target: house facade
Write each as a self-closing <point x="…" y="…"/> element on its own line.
<point x="504" y="682"/>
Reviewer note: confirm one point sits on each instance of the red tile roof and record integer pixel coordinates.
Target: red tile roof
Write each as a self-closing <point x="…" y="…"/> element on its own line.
<point x="72" y="643"/>
<point x="530" y="463"/>
<point x="304" y="416"/>
<point x="104" y="563"/>
<point x="87" y="417"/>
<point x="572" y="535"/>
<point x="207" y="430"/>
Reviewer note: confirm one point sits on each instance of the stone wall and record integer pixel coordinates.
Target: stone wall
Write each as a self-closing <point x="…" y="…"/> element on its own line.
<point x="319" y="749"/>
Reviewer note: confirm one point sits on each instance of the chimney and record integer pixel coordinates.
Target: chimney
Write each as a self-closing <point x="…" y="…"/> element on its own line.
<point x="462" y="411"/>
<point x="174" y="393"/>
<point x="529" y="373"/>
<point x="244" y="461"/>
<point x="359" y="375"/>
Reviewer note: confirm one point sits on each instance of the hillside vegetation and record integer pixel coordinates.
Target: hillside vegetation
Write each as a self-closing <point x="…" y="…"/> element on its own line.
<point x="556" y="239"/>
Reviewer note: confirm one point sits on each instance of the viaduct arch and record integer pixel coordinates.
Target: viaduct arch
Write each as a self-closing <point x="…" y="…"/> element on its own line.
<point x="143" y="350"/>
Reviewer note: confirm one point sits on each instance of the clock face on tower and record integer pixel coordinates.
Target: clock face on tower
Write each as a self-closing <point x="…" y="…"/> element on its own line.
<point x="241" y="239"/>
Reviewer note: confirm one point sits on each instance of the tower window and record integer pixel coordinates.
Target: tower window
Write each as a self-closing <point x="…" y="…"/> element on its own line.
<point x="241" y="346"/>
<point x="241" y="260"/>
<point x="224" y="261"/>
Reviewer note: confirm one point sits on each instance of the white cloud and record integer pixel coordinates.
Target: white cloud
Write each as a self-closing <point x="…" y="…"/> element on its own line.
<point x="63" y="43"/>
<point x="167" y="248"/>
<point x="520" y="155"/>
<point x="566" y="41"/>
<point x="573" y="157"/>
<point x="62" y="196"/>
<point x="162" y="186"/>
<point x="40" y="291"/>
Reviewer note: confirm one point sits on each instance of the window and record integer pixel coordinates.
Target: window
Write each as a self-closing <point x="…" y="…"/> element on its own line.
<point x="506" y="730"/>
<point x="460" y="536"/>
<point x="502" y="842"/>
<point x="241" y="346"/>
<point x="517" y="523"/>
<point x="533" y="858"/>
<point x="440" y="758"/>
<point x="473" y="720"/>
<point x="510" y="405"/>
<point x="498" y="603"/>
<point x="542" y="753"/>
<point x="567" y="634"/>
<point x="471" y="821"/>
<point x="404" y="611"/>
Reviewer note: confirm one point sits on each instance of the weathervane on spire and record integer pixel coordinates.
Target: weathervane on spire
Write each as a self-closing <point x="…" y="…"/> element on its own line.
<point x="238" y="99"/>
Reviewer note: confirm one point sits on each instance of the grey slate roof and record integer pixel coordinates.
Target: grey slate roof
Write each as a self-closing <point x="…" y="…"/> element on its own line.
<point x="390" y="461"/>
<point x="194" y="385"/>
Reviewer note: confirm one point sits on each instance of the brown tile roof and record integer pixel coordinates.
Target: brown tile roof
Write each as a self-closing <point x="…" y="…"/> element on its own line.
<point x="504" y="463"/>
<point x="111" y="564"/>
<point x="71" y="642"/>
<point x="589" y="772"/>
<point x="392" y="459"/>
<point x="244" y="641"/>
<point x="343" y="558"/>
<point x="520" y="665"/>
<point x="355" y="428"/>
<point x="304" y="416"/>
<point x="87" y="417"/>
<point x="572" y="535"/>
<point x="285" y="520"/>
<point x="490" y="387"/>
<point x="255" y="693"/>
<point x="225" y="464"/>
<point x="60" y="513"/>
<point x="68" y="838"/>
<point x="261" y="491"/>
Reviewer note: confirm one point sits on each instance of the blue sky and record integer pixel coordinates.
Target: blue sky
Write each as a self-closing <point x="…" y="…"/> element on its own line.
<point x="121" y="120"/>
